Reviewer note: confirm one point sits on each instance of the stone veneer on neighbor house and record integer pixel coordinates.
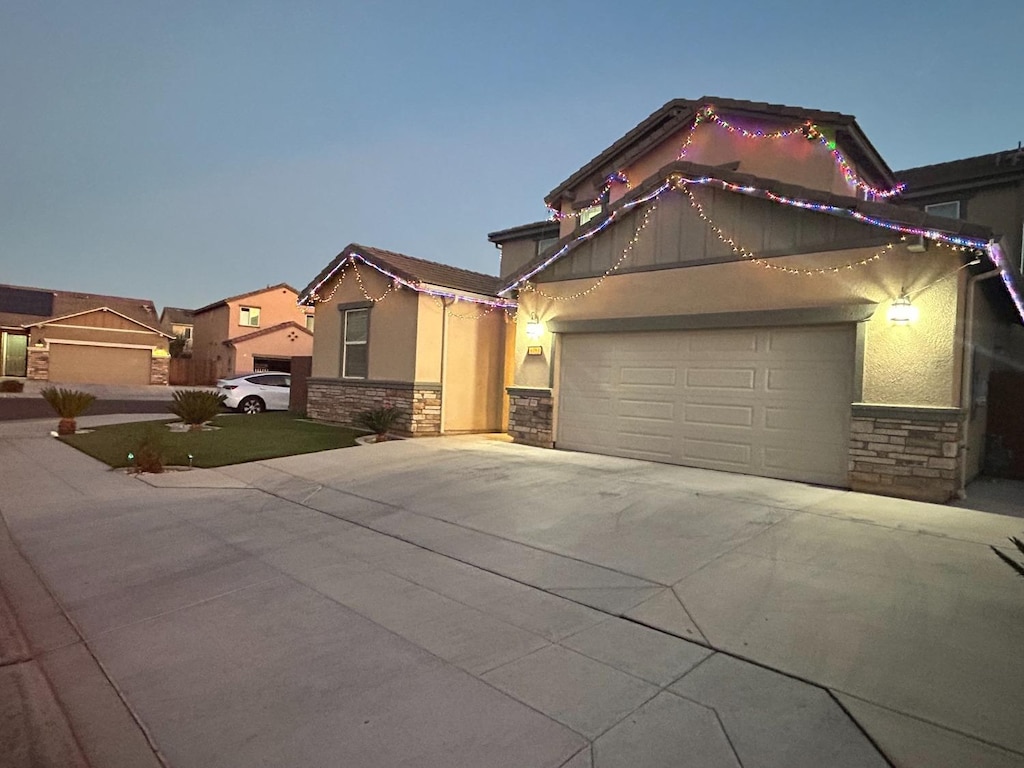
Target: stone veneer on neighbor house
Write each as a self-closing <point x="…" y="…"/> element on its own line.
<point x="159" y="370"/>
<point x="341" y="401"/>
<point x="905" y="451"/>
<point x="530" y="416"/>
<point x="38" y="364"/>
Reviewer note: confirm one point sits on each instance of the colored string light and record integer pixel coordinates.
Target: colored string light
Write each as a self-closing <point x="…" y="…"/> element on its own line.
<point x="619" y="177"/>
<point x="644" y="221"/>
<point x="807" y="129"/>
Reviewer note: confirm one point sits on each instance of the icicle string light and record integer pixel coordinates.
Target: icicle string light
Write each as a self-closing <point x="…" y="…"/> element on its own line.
<point x="644" y="221"/>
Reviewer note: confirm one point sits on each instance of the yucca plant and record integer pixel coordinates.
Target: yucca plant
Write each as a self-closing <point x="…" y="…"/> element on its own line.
<point x="1018" y="567"/>
<point x="195" y="407"/>
<point x="380" y="420"/>
<point x="69" y="405"/>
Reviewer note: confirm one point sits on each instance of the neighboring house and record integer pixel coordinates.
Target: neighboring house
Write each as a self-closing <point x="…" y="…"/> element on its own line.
<point x="401" y="331"/>
<point x="69" y="337"/>
<point x="178" y="322"/>
<point x="733" y="288"/>
<point x="256" y="331"/>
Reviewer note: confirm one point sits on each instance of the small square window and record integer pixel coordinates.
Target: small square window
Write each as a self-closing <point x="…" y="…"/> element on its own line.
<point x="948" y="210"/>
<point x="590" y="213"/>
<point x="309" y="322"/>
<point x="249" y="317"/>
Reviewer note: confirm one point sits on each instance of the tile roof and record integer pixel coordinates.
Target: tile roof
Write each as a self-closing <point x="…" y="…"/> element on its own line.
<point x="75" y="302"/>
<point x="176" y="315"/>
<point x="994" y="167"/>
<point x="267" y="331"/>
<point x="221" y="302"/>
<point x="534" y="230"/>
<point x="678" y="113"/>
<point x="900" y="214"/>
<point x="411" y="269"/>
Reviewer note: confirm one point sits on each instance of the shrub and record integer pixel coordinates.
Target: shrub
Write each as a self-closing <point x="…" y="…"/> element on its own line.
<point x="179" y="346"/>
<point x="12" y="385"/>
<point x="1018" y="567"/>
<point x="379" y="420"/>
<point x="149" y="454"/>
<point x="196" y="406"/>
<point x="69" y="405"/>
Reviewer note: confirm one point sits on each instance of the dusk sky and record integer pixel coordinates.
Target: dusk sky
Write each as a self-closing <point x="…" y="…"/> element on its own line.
<point x="187" y="151"/>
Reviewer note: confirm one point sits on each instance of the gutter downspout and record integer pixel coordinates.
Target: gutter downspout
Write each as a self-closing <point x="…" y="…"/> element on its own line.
<point x="967" y="371"/>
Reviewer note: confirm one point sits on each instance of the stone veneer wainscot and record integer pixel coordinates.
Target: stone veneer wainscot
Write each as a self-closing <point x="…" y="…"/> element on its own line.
<point x="906" y="451"/>
<point x="341" y="400"/>
<point x="530" y="416"/>
<point x="159" y="370"/>
<point x="38" y="364"/>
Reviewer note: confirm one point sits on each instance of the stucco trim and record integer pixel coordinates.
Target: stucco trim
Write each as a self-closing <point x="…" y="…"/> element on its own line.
<point x="529" y="391"/>
<point x="362" y="383"/>
<point x="757" y="318"/>
<point x="355" y="305"/>
<point x="915" y="412"/>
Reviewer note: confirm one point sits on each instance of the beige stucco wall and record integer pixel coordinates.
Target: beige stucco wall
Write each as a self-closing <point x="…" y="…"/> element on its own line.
<point x="99" y="328"/>
<point x="912" y="365"/>
<point x="209" y="330"/>
<point x="474" y="370"/>
<point x="276" y="306"/>
<point x="429" y="339"/>
<point x="515" y="254"/>
<point x="392" y="340"/>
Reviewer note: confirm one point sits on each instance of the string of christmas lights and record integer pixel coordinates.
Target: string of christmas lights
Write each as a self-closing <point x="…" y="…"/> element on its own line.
<point x="619" y="177"/>
<point x="753" y="259"/>
<point x="448" y="308"/>
<point x="366" y="293"/>
<point x="316" y="299"/>
<point x="645" y="220"/>
<point x="807" y="129"/>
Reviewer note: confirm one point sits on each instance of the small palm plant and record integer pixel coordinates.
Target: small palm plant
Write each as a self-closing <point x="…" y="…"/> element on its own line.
<point x="1018" y="567"/>
<point x="195" y="407"/>
<point x="380" y="420"/>
<point x="69" y="405"/>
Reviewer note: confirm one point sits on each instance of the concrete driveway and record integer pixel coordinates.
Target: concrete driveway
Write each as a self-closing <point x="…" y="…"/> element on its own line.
<point x="464" y="601"/>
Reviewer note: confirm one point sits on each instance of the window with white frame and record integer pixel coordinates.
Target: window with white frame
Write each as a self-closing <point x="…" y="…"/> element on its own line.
<point x="947" y="210"/>
<point x="309" y="322"/>
<point x="354" y="362"/>
<point x="249" y="316"/>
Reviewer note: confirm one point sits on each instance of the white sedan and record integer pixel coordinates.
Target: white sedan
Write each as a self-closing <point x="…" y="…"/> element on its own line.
<point x="256" y="392"/>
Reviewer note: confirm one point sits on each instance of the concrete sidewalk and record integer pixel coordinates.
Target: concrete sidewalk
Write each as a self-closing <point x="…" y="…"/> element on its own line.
<point x="469" y="602"/>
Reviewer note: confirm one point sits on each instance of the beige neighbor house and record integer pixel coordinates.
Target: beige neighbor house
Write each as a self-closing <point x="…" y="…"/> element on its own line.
<point x="401" y="331"/>
<point x="733" y="287"/>
<point x="257" y="331"/>
<point x="178" y="322"/>
<point x="68" y="337"/>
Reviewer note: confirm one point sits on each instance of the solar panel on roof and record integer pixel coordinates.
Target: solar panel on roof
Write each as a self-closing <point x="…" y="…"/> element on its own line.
<point x="24" y="301"/>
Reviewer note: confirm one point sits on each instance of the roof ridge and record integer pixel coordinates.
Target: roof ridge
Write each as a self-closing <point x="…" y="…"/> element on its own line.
<point x="358" y="246"/>
<point x="75" y="294"/>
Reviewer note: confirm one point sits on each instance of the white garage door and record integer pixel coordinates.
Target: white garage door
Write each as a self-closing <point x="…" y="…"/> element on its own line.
<point x="768" y="401"/>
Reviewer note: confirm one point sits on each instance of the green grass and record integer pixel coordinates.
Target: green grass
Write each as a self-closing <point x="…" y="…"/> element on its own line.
<point x="239" y="439"/>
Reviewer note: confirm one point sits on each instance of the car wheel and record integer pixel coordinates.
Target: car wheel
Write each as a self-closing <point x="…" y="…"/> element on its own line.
<point x="252" y="404"/>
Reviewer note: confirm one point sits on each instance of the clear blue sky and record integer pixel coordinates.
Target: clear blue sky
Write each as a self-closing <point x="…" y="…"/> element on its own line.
<point x="185" y="151"/>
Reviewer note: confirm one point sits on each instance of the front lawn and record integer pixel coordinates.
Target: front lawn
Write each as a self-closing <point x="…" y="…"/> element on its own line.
<point x="240" y="438"/>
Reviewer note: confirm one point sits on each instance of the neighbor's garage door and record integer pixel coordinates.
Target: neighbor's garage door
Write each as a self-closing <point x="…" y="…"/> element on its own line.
<point x="769" y="401"/>
<point x="79" y="363"/>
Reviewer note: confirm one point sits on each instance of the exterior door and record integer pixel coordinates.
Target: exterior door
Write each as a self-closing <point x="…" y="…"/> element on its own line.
<point x="769" y="401"/>
<point x="14" y="361"/>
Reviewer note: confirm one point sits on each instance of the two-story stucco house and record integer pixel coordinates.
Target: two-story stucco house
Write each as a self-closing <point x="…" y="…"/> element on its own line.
<point x="256" y="331"/>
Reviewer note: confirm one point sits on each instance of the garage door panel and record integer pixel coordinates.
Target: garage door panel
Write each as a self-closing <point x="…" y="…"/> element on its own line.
<point x="88" y="364"/>
<point x="771" y="402"/>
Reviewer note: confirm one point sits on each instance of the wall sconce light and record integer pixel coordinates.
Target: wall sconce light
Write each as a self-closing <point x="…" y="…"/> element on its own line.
<point x="534" y="328"/>
<point x="901" y="311"/>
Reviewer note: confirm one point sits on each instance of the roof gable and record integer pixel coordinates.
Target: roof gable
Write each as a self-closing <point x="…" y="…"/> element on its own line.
<point x="132" y="320"/>
<point x="267" y="331"/>
<point x="680" y="114"/>
<point x="418" y="274"/>
<point x="63" y="303"/>
<point x="229" y="299"/>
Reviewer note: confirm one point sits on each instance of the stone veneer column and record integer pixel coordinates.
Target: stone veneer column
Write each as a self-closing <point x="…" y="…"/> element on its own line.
<point x="906" y="451"/>
<point x="159" y="370"/>
<point x="341" y="400"/>
<point x="38" y="364"/>
<point x="530" y="414"/>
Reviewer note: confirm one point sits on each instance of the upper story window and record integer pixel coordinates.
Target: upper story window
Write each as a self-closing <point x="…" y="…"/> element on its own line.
<point x="354" y="359"/>
<point x="949" y="210"/>
<point x="588" y="213"/>
<point x="309" y="322"/>
<point x="249" y="316"/>
<point x="543" y="245"/>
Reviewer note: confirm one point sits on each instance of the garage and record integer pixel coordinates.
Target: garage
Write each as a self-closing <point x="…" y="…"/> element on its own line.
<point x="87" y="363"/>
<point x="773" y="402"/>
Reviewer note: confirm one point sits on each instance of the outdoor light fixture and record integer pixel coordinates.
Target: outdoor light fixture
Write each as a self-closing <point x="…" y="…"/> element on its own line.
<point x="534" y="328"/>
<point x="901" y="311"/>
